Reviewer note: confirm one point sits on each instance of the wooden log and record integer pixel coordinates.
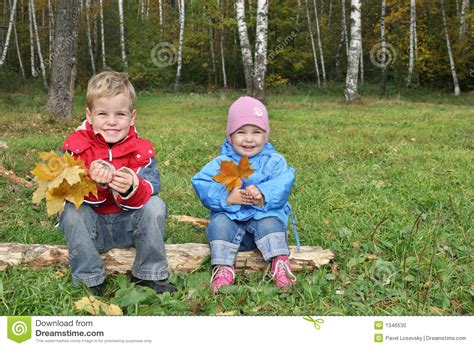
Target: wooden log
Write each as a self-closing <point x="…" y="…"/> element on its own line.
<point x="182" y="258"/>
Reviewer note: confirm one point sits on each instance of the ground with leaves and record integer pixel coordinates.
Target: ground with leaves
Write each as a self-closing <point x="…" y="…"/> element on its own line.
<point x="386" y="184"/>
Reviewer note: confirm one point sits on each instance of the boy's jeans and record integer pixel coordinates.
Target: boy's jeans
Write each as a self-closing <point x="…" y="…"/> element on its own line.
<point x="88" y="234"/>
<point x="227" y="237"/>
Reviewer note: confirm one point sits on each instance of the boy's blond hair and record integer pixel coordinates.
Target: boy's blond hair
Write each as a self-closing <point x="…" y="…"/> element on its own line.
<point x="109" y="84"/>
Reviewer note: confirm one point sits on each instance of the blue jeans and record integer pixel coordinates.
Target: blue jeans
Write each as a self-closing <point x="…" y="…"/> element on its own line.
<point x="226" y="237"/>
<point x="88" y="234"/>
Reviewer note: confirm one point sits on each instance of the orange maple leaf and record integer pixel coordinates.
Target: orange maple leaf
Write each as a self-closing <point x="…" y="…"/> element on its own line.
<point x="232" y="175"/>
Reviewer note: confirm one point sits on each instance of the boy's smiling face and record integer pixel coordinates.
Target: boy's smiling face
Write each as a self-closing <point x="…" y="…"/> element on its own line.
<point x="111" y="117"/>
<point x="248" y="140"/>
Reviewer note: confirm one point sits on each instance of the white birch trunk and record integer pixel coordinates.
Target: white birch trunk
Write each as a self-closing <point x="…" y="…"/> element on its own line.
<point x="88" y="34"/>
<point x="411" y="61"/>
<point x="20" y="61"/>
<point x="102" y="33"/>
<point x="32" y="42"/>
<point x="351" y="92"/>
<point x="211" y="46"/>
<point x="361" y="58"/>
<point x="383" y="49"/>
<point x="50" y="29"/>
<point x="244" y="45"/>
<point x="160" y="9"/>
<point x="180" y="43"/>
<point x="330" y="13"/>
<point x="224" y="75"/>
<point x="38" y="44"/>
<point x="260" y="63"/>
<point x="344" y="26"/>
<point x="9" y="31"/>
<point x="323" y="68"/>
<point x="457" y="90"/>
<point x="122" y="35"/>
<point x="462" y="20"/>
<point x="315" y="56"/>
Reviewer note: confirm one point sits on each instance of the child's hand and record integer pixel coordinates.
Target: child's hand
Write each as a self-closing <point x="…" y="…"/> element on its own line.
<point x="255" y="195"/>
<point x="100" y="173"/>
<point x="238" y="196"/>
<point x="121" y="181"/>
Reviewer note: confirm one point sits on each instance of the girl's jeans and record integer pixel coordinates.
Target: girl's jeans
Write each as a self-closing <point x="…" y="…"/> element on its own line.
<point x="227" y="237"/>
<point x="88" y="234"/>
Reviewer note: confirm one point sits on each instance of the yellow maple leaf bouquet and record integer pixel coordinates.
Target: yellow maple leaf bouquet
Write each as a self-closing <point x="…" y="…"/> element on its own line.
<point x="61" y="178"/>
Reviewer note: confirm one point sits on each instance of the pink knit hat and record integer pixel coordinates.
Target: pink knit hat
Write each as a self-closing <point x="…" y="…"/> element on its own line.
<point x="247" y="110"/>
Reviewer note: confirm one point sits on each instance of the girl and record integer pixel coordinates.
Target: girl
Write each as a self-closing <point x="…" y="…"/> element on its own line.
<point x="256" y="214"/>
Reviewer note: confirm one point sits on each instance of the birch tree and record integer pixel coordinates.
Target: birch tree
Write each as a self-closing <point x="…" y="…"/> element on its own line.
<point x="462" y="20"/>
<point x="32" y="42"/>
<point x="457" y="90"/>
<point x="411" y="61"/>
<point x="9" y="31"/>
<point x="20" y="61"/>
<point x="315" y="56"/>
<point x="50" y="29"/>
<point x="88" y="35"/>
<point x="63" y="67"/>
<point x="321" y="54"/>
<point x="244" y="45"/>
<point x="222" y="45"/>
<point x="102" y="34"/>
<point x="160" y="9"/>
<point x="260" y="66"/>
<point x="351" y="92"/>
<point x="180" y="43"/>
<point x="38" y="44"/>
<point x="122" y="35"/>
<point x="383" y="48"/>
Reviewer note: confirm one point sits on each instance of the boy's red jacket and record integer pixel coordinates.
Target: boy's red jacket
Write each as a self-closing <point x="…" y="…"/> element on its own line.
<point x="133" y="152"/>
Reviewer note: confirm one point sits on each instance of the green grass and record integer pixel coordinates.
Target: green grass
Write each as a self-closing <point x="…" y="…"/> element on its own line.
<point x="386" y="184"/>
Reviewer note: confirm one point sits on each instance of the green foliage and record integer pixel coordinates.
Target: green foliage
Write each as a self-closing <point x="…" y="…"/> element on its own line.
<point x="389" y="189"/>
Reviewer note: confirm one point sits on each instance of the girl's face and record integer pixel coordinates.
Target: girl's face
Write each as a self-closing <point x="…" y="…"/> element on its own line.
<point x="248" y="140"/>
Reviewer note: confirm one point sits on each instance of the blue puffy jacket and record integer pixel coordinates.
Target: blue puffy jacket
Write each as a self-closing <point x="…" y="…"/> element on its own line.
<point x="273" y="177"/>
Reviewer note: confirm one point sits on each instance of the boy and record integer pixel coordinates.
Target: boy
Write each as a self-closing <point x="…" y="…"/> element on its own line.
<point x="127" y="211"/>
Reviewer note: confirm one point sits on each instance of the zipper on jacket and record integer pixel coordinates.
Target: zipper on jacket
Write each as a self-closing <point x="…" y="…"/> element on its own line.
<point x="110" y="155"/>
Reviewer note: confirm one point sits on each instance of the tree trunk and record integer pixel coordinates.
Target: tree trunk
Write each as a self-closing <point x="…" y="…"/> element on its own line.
<point x="88" y="34"/>
<point x="315" y="56"/>
<point x="182" y="258"/>
<point x="211" y="46"/>
<point x="244" y="45"/>
<point x="457" y="90"/>
<point x="38" y="45"/>
<point x="180" y="43"/>
<point x="383" y="78"/>
<point x="9" y="31"/>
<point x="32" y="42"/>
<point x="462" y="21"/>
<point x="160" y="8"/>
<point x="20" y="61"/>
<point x="411" y="62"/>
<point x="351" y="92"/>
<point x="224" y="75"/>
<point x="260" y="64"/>
<point x="102" y="34"/>
<point x="344" y="26"/>
<point x="50" y="30"/>
<point x="61" y="92"/>
<point x="323" y="68"/>
<point x="122" y="35"/>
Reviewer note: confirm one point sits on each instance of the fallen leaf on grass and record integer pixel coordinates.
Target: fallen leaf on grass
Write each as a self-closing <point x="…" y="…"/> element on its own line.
<point x="231" y="175"/>
<point x="95" y="307"/>
<point x="227" y="313"/>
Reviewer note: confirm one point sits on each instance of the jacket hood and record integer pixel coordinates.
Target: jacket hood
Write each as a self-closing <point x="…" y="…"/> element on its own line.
<point x="228" y="150"/>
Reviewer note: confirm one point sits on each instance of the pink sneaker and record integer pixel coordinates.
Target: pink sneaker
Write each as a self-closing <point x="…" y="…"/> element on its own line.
<point x="281" y="272"/>
<point x="222" y="275"/>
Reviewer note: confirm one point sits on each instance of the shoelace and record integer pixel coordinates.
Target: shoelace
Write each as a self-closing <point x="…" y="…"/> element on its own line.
<point x="222" y="271"/>
<point x="282" y="267"/>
